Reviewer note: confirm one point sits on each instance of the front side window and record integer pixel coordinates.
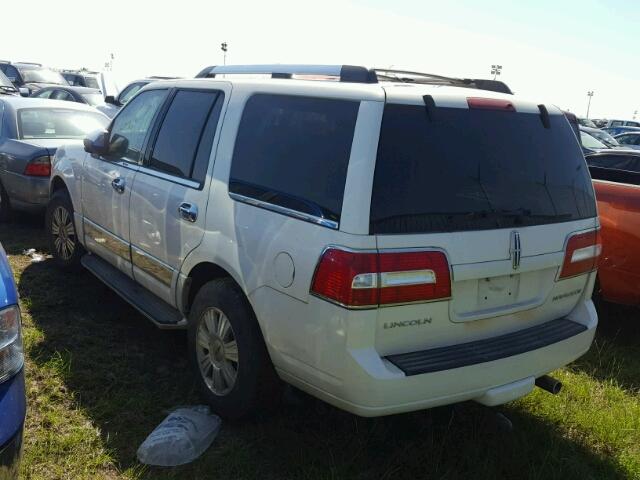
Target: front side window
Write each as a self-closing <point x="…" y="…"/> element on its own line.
<point x="43" y="94"/>
<point x="11" y="73"/>
<point x="293" y="152"/>
<point x="129" y="92"/>
<point x="629" y="163"/>
<point x="180" y="134"/>
<point x="58" y="123"/>
<point x="71" y="78"/>
<point x="132" y="124"/>
<point x="91" y="82"/>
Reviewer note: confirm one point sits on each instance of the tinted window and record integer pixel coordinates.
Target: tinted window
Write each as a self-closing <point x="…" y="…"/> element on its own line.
<point x="131" y="126"/>
<point x="294" y="152"/>
<point x="181" y="130"/>
<point x="462" y="169"/>
<point x="11" y="72"/>
<point x="71" y="78"/>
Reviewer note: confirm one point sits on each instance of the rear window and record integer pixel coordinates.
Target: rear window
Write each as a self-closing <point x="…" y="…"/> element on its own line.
<point x="293" y="152"/>
<point x="58" y="123"/>
<point x="472" y="169"/>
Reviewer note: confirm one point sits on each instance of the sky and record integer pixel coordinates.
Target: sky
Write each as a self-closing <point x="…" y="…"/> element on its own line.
<point x="551" y="51"/>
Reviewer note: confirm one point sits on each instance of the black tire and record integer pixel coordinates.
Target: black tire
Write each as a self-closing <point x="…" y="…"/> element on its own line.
<point x="65" y="247"/>
<point x="5" y="206"/>
<point x="255" y="384"/>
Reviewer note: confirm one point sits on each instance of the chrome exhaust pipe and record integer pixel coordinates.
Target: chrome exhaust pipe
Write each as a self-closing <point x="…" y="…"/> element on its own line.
<point x="549" y="384"/>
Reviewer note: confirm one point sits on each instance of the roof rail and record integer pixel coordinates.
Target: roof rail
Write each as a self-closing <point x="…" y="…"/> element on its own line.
<point x="5" y="61"/>
<point x="30" y="63"/>
<point x="159" y="77"/>
<point x="355" y="74"/>
<point x="346" y="73"/>
<point x="405" y="76"/>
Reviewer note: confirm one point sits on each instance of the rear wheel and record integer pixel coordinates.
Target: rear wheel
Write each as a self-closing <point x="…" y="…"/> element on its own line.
<point x="5" y="206"/>
<point x="61" y="231"/>
<point x="227" y="351"/>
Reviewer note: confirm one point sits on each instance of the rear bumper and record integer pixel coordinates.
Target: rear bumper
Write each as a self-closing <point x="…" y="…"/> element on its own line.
<point x="26" y="193"/>
<point x="373" y="386"/>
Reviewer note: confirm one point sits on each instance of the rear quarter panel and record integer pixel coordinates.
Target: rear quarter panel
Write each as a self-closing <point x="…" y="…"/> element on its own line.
<point x="619" y="269"/>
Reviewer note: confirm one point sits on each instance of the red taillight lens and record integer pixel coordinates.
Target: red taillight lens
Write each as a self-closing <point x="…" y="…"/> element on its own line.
<point x="39" y="167"/>
<point x="356" y="279"/>
<point x="582" y="254"/>
<point x="490" y="104"/>
<point x="347" y="278"/>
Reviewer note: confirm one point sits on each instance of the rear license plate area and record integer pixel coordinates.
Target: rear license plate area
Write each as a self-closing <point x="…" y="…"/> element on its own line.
<point x="498" y="291"/>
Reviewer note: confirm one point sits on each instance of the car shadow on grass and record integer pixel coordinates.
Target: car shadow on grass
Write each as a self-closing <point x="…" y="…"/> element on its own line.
<point x="125" y="375"/>
<point x="615" y="353"/>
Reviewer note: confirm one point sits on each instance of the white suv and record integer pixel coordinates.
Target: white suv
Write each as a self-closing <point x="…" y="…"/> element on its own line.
<point x="387" y="242"/>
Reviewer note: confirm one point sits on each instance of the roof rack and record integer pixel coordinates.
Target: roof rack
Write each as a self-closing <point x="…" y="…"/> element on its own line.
<point x="30" y="63"/>
<point x="159" y="77"/>
<point x="5" y="61"/>
<point x="405" y="76"/>
<point x="346" y="73"/>
<point x="354" y="74"/>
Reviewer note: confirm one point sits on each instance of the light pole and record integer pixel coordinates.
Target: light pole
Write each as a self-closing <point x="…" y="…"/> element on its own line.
<point x="496" y="70"/>
<point x="590" y="95"/>
<point x="224" y="48"/>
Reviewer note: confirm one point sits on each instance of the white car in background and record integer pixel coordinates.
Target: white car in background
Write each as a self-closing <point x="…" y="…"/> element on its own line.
<point x="388" y="242"/>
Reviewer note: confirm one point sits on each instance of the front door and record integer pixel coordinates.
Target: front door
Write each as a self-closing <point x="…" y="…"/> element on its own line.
<point x="170" y="192"/>
<point x="107" y="181"/>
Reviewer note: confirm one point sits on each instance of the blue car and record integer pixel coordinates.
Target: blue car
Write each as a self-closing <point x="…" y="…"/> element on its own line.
<point x="12" y="392"/>
<point x="617" y="130"/>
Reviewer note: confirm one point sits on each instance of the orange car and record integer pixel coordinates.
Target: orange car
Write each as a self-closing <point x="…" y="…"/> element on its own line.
<point x="618" y="195"/>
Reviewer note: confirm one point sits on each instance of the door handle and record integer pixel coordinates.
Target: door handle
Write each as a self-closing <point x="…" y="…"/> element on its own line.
<point x="188" y="212"/>
<point x="118" y="184"/>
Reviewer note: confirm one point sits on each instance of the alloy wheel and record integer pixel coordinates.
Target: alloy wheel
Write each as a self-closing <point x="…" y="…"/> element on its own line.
<point x="217" y="351"/>
<point x="64" y="233"/>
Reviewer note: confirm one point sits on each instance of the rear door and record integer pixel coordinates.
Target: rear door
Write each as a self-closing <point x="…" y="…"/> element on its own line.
<point x="107" y="180"/>
<point x="170" y="194"/>
<point x="497" y="190"/>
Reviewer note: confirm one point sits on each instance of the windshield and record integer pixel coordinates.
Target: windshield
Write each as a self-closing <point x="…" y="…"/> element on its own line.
<point x="58" y="123"/>
<point x="591" y="142"/>
<point x="93" y="99"/>
<point x="457" y="169"/>
<point x="605" y="138"/>
<point x="42" y="75"/>
<point x="585" y="122"/>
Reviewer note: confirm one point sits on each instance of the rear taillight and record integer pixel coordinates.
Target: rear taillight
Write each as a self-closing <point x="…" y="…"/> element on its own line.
<point x="39" y="167"/>
<point x="369" y="280"/>
<point x="581" y="255"/>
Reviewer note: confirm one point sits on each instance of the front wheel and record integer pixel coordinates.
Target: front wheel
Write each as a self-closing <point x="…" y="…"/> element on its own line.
<point x="227" y="351"/>
<point x="61" y="231"/>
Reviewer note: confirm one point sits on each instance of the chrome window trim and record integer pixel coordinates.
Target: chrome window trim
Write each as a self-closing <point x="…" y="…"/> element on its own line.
<point x="285" y="211"/>
<point x="146" y="262"/>
<point x="171" y="178"/>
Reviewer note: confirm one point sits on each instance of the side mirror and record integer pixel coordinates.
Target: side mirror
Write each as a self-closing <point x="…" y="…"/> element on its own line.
<point x="111" y="100"/>
<point x="96" y="143"/>
<point x="24" y="91"/>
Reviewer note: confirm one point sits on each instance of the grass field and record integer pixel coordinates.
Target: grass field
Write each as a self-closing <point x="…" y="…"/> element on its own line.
<point x="100" y="377"/>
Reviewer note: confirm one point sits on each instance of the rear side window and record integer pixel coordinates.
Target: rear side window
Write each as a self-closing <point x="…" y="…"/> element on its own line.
<point x="293" y="152"/>
<point x="182" y="129"/>
<point x="471" y="169"/>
